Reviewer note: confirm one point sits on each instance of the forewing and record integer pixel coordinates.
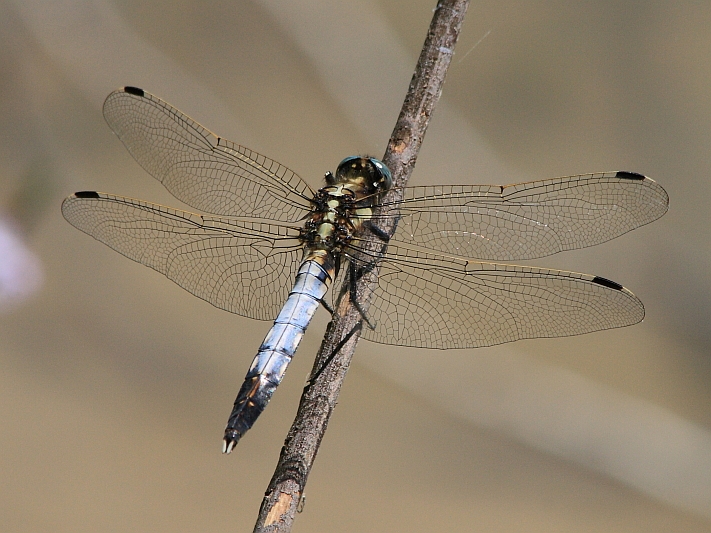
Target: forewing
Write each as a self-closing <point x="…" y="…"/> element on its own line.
<point x="528" y="220"/>
<point x="204" y="171"/>
<point x="243" y="267"/>
<point x="431" y="301"/>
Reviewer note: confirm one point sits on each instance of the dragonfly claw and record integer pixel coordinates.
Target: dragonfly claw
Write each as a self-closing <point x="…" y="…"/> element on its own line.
<point x="228" y="444"/>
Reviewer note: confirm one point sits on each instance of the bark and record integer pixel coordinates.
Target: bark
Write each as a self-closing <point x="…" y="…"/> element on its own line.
<point x="283" y="495"/>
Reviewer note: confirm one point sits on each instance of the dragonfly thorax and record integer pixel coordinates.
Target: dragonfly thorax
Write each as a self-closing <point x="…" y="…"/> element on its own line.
<point x="345" y="203"/>
<point x="337" y="217"/>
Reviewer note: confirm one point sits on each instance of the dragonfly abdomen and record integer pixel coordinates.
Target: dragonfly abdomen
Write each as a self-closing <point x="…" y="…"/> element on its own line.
<point x="279" y="346"/>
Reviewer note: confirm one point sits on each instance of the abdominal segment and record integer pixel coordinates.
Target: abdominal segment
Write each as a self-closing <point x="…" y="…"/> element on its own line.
<point x="278" y="348"/>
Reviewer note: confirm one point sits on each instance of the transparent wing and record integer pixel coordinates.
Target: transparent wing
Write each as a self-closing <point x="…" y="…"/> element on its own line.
<point x="240" y="266"/>
<point x="432" y="301"/>
<point x="204" y="171"/>
<point x="528" y="220"/>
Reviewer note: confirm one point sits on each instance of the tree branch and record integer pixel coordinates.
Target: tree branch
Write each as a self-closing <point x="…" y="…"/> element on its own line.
<point x="320" y="394"/>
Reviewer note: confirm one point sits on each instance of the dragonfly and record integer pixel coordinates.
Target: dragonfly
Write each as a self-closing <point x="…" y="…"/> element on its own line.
<point x="269" y="245"/>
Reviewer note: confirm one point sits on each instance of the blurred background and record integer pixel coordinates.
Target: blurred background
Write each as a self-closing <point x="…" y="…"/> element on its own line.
<point x="115" y="384"/>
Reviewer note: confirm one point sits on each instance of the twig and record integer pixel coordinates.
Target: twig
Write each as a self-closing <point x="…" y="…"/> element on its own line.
<point x="283" y="494"/>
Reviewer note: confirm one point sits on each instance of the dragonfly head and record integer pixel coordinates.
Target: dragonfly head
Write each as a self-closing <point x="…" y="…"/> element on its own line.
<point x="367" y="172"/>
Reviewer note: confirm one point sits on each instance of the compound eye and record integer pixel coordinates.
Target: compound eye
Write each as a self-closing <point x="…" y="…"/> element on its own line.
<point x="386" y="181"/>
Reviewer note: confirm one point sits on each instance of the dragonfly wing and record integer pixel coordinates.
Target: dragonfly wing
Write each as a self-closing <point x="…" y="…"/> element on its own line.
<point x="204" y="171"/>
<point x="431" y="301"/>
<point x="528" y="220"/>
<point x="240" y="266"/>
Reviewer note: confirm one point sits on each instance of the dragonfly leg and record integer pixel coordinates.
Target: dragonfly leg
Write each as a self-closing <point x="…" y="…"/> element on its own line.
<point x="327" y="307"/>
<point x="377" y="231"/>
<point x="337" y="349"/>
<point x="355" y="275"/>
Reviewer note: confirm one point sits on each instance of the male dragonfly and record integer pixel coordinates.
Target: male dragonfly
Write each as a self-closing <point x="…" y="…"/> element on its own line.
<point x="266" y="226"/>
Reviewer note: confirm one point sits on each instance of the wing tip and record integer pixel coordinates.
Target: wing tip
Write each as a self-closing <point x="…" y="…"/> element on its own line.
<point x="134" y="90"/>
<point x="86" y="194"/>
<point x="607" y="283"/>
<point x="626" y="175"/>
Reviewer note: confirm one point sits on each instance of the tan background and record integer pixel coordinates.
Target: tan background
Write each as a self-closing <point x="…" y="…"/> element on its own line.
<point x="115" y="384"/>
